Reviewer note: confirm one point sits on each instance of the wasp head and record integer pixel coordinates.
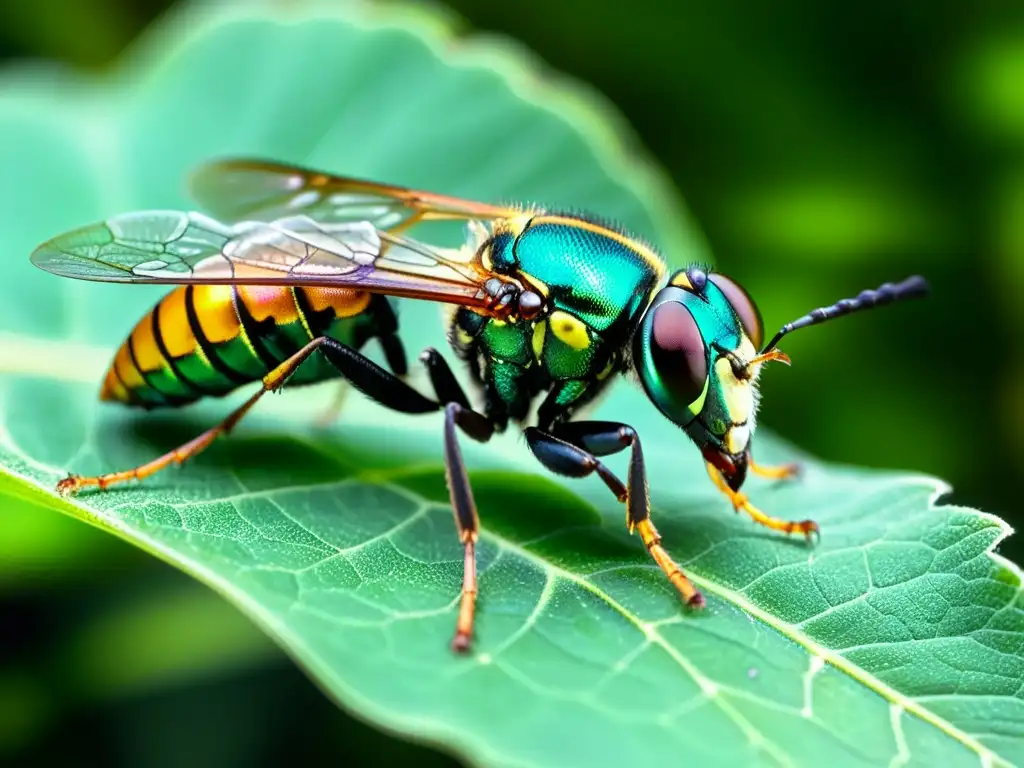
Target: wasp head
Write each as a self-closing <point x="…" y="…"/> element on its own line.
<point x="696" y="356"/>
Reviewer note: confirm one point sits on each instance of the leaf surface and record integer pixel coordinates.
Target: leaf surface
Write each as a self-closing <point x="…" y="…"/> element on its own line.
<point x="896" y="641"/>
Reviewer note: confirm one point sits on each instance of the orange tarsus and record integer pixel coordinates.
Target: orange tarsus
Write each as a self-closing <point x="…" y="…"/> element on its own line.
<point x="74" y="483"/>
<point x="467" y="604"/>
<point x="739" y="501"/>
<point x="781" y="472"/>
<point x="271" y="382"/>
<point x="652" y="540"/>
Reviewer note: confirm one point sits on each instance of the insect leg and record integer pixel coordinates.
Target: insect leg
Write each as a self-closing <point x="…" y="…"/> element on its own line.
<point x="447" y="388"/>
<point x="808" y="528"/>
<point x="781" y="472"/>
<point x="480" y="429"/>
<point x="386" y="323"/>
<point x="458" y="412"/>
<point x="363" y="373"/>
<point x="574" y="453"/>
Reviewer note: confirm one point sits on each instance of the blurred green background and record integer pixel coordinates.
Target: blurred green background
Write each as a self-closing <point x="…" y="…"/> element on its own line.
<point x="823" y="148"/>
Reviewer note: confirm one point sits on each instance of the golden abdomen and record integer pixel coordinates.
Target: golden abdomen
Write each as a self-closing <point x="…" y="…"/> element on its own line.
<point x="206" y="340"/>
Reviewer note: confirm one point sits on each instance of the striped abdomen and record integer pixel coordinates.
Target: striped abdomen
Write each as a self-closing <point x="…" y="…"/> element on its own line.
<point x="206" y="340"/>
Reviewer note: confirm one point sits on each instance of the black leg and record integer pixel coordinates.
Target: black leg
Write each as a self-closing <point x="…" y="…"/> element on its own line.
<point x="394" y="353"/>
<point x="387" y="330"/>
<point x="446" y="387"/>
<point x="574" y="453"/>
<point x="373" y="381"/>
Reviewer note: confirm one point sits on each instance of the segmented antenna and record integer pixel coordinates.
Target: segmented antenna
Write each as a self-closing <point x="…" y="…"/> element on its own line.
<point x="911" y="288"/>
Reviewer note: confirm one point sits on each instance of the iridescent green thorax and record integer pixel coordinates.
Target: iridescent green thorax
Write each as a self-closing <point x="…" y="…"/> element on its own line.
<point x="586" y="269"/>
<point x="595" y="283"/>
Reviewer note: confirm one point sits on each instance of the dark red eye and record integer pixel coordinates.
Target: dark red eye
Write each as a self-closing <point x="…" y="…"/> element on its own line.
<point x="677" y="353"/>
<point x="745" y="307"/>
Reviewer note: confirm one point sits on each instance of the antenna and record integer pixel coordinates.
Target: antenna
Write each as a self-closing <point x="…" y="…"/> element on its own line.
<point x="911" y="288"/>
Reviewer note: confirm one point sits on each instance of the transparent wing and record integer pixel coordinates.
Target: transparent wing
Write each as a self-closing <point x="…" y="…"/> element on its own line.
<point x="176" y="247"/>
<point x="255" y="189"/>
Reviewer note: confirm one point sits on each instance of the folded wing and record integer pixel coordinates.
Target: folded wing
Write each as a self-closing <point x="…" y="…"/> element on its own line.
<point x="176" y="247"/>
<point x="258" y="189"/>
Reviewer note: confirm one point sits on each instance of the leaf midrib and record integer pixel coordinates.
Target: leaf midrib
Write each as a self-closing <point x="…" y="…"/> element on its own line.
<point x="14" y="360"/>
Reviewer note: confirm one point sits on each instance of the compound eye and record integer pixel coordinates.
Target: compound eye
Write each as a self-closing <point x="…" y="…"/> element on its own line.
<point x="678" y="354"/>
<point x="746" y="309"/>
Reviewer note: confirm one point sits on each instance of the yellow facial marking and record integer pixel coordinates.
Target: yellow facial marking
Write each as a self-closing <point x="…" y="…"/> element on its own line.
<point x="607" y="370"/>
<point x="539" y="334"/>
<point x="569" y="330"/>
<point x="698" y="405"/>
<point x="739" y="399"/>
<point x="681" y="280"/>
<point x="738" y="393"/>
<point x="746" y="349"/>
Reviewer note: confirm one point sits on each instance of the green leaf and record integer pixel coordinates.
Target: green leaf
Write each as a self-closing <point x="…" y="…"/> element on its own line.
<point x="897" y="641"/>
